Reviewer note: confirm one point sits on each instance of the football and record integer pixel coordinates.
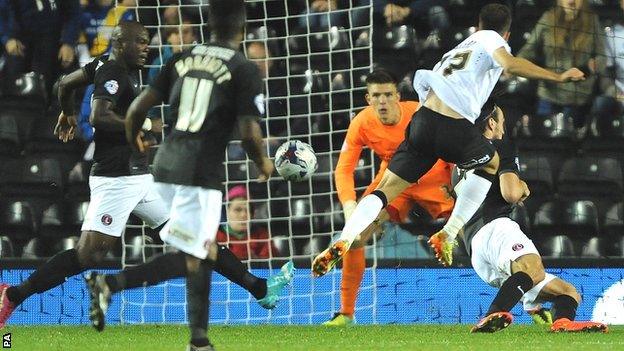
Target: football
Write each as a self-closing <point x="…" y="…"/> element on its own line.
<point x="295" y="161"/>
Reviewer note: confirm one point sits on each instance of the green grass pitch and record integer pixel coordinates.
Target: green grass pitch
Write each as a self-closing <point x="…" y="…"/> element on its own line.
<point x="292" y="338"/>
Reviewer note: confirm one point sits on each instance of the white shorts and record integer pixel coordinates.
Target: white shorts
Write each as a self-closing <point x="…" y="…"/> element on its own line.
<point x="195" y="214"/>
<point x="495" y="246"/>
<point x="530" y="299"/>
<point x="114" y="198"/>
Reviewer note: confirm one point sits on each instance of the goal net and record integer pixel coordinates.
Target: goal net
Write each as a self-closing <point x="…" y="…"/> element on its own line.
<point x="314" y="64"/>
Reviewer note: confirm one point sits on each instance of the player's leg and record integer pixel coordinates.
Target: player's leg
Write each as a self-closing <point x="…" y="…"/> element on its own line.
<point x="108" y="211"/>
<point x="565" y="300"/>
<point x="198" y="276"/>
<point x="406" y="167"/>
<point x="153" y="209"/>
<point x="363" y="216"/>
<point x="460" y="142"/>
<point x="194" y="218"/>
<point x="504" y="257"/>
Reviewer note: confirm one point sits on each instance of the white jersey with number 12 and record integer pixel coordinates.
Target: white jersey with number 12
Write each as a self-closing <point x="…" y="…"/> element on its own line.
<point x="466" y="75"/>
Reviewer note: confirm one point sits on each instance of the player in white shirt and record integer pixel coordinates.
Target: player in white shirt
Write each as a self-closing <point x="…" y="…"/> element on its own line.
<point x="452" y="95"/>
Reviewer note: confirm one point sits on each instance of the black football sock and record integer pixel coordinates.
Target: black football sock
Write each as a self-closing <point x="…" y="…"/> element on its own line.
<point x="197" y="298"/>
<point x="564" y="306"/>
<point x="229" y="266"/>
<point x="510" y="292"/>
<point x="54" y="272"/>
<point x="160" y="268"/>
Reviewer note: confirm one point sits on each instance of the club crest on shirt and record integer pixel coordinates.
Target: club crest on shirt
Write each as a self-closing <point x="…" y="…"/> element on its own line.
<point x="517" y="247"/>
<point x="107" y="219"/>
<point x="111" y="86"/>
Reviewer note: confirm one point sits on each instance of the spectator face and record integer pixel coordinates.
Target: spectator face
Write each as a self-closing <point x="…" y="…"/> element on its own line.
<point x="238" y="214"/>
<point x="257" y="53"/>
<point x="105" y="3"/>
<point x="171" y="15"/>
<point x="128" y="3"/>
<point x="571" y="7"/>
<point x="384" y="98"/>
<point x="188" y="37"/>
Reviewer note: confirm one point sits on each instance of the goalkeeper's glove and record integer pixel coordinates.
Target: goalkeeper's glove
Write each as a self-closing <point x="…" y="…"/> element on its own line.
<point x="541" y="315"/>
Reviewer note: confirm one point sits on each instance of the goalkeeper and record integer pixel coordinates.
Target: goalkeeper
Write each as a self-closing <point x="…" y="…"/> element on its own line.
<point x="381" y="127"/>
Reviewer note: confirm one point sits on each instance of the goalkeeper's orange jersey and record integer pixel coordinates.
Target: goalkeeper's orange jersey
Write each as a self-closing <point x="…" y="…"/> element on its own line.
<point x="366" y="130"/>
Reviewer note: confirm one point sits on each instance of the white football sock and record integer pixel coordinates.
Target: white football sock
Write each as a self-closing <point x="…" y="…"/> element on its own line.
<point x="364" y="214"/>
<point x="470" y="196"/>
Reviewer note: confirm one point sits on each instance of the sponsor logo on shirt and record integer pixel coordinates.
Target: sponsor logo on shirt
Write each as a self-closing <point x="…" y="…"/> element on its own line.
<point x="517" y="247"/>
<point x="111" y="86"/>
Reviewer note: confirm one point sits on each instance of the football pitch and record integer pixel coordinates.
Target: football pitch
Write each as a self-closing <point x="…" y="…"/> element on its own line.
<point x="265" y="337"/>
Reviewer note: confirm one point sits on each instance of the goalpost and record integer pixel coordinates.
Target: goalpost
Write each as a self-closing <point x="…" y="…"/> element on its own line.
<point x="314" y="66"/>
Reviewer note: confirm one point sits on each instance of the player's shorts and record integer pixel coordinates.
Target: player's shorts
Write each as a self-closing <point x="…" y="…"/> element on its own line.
<point x="195" y="213"/>
<point x="431" y="136"/>
<point x="429" y="193"/>
<point x="530" y="299"/>
<point x="495" y="246"/>
<point x="114" y="198"/>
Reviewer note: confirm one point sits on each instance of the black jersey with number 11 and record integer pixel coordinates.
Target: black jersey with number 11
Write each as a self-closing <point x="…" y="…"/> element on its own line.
<point x="209" y="87"/>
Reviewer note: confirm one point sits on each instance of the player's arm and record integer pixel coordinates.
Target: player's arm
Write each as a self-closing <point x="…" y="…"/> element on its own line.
<point x="66" y="88"/>
<point x="512" y="188"/>
<point x="251" y="141"/>
<point x="524" y="68"/>
<point x="110" y="82"/>
<point x="136" y="117"/>
<point x="347" y="161"/>
<point x="67" y="122"/>
<point x="249" y="108"/>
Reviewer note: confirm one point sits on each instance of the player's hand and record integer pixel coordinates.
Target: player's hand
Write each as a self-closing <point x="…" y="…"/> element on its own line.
<point x="65" y="127"/>
<point x="348" y="207"/>
<point x="14" y="47"/>
<point x="142" y="144"/>
<point x="572" y="75"/>
<point x="157" y="125"/>
<point x="66" y="55"/>
<point x="266" y="168"/>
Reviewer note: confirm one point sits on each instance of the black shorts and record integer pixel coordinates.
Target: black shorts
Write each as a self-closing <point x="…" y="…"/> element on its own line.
<point x="431" y="136"/>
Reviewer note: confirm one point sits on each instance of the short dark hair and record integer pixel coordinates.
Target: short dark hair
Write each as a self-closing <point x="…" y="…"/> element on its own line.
<point x="226" y="18"/>
<point x="380" y="76"/>
<point x="488" y="111"/>
<point x="496" y="17"/>
<point x="125" y="28"/>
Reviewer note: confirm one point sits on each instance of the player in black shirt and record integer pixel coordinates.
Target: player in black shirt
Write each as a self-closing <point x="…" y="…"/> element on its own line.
<point x="211" y="89"/>
<point x="167" y="266"/>
<point x="116" y="188"/>
<point x="503" y="256"/>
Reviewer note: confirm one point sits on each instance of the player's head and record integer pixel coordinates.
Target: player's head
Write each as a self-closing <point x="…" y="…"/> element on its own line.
<point x="238" y="208"/>
<point x="382" y="95"/>
<point x="492" y="125"/>
<point x="226" y="20"/>
<point x="495" y="17"/>
<point x="130" y="43"/>
<point x="259" y="53"/>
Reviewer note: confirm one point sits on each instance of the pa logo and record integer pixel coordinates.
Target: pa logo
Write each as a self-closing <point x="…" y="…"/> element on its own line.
<point x="6" y="341"/>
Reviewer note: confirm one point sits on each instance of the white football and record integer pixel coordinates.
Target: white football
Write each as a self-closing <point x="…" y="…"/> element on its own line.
<point x="295" y="160"/>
